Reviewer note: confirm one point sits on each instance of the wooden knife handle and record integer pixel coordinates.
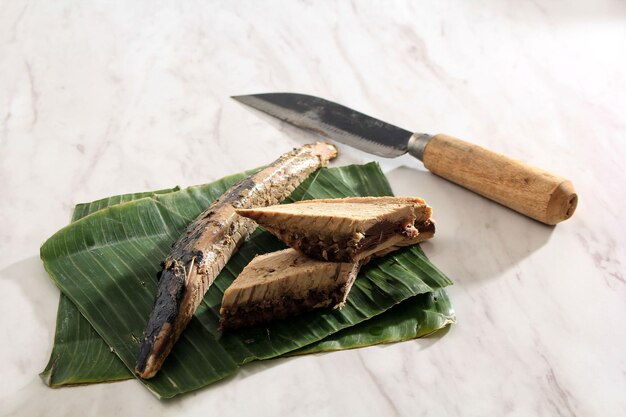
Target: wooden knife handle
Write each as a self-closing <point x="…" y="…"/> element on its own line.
<point x="528" y="190"/>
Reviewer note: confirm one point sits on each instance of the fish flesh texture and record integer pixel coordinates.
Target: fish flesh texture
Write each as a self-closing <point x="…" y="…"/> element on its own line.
<point x="283" y="284"/>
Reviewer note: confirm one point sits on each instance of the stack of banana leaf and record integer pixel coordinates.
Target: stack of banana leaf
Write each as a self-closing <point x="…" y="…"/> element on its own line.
<point x="105" y="264"/>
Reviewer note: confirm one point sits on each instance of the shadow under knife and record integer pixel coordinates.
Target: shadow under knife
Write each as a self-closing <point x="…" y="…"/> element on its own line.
<point x="33" y="282"/>
<point x="476" y="239"/>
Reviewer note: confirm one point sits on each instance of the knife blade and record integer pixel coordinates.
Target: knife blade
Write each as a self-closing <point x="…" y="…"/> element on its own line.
<point x="528" y="190"/>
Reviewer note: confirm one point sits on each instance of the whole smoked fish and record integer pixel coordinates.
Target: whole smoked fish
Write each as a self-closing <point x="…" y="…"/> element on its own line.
<point x="207" y="244"/>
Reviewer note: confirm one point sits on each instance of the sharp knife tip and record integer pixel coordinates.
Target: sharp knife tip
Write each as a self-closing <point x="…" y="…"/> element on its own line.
<point x="246" y="99"/>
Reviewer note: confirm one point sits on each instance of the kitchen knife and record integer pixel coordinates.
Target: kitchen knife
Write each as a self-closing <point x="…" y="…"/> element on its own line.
<point x="531" y="191"/>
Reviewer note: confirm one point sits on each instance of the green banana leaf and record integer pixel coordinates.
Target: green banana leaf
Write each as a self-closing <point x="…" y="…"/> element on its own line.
<point x="84" y="209"/>
<point x="79" y="355"/>
<point x="418" y="316"/>
<point x="76" y="340"/>
<point x="105" y="263"/>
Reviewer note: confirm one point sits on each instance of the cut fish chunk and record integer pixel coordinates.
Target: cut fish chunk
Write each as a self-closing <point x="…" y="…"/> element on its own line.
<point x="282" y="284"/>
<point x="346" y="229"/>
<point x="287" y="283"/>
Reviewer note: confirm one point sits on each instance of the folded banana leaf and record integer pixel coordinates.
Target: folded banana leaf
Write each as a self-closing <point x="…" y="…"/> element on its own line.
<point x="418" y="316"/>
<point x="84" y="209"/>
<point x="79" y="355"/>
<point x="105" y="263"/>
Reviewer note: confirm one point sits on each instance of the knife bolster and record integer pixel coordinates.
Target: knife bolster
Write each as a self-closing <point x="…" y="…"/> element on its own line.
<point x="417" y="144"/>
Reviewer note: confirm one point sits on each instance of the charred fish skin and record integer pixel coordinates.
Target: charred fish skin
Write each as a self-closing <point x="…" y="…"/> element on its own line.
<point x="201" y="252"/>
<point x="343" y="230"/>
<point x="426" y="231"/>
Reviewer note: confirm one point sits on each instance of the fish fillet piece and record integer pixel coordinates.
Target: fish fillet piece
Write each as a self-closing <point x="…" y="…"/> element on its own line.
<point x="287" y="283"/>
<point x="345" y="229"/>
<point x="208" y="243"/>
<point x="282" y="284"/>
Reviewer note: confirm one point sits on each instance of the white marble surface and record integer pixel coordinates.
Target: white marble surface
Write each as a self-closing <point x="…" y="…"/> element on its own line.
<point x="102" y="98"/>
